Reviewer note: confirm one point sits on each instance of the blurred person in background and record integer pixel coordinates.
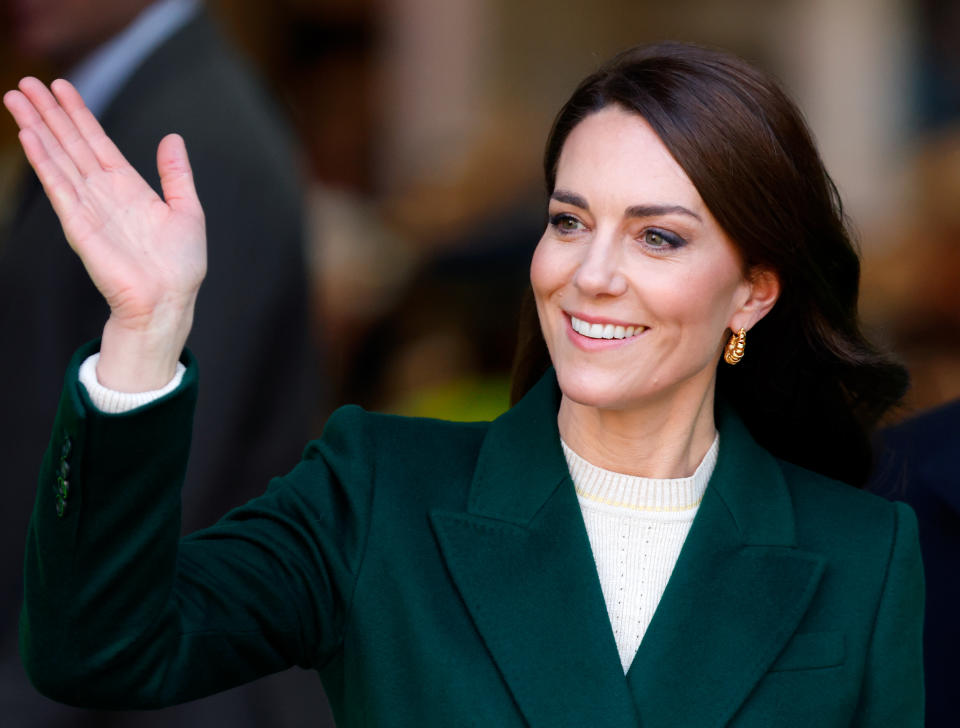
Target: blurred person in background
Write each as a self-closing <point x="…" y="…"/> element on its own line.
<point x="912" y="288"/>
<point x="917" y="463"/>
<point x="146" y="68"/>
<point x="662" y="530"/>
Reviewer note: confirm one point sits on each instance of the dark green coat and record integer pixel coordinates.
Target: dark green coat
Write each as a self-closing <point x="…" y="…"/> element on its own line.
<point x="439" y="574"/>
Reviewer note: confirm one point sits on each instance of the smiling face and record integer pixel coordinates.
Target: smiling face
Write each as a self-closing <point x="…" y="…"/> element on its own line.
<point x="636" y="284"/>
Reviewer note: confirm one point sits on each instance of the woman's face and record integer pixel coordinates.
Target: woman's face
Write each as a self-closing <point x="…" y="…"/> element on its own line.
<point x="635" y="282"/>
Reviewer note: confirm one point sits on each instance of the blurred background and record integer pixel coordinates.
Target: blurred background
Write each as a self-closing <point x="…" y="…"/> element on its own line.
<point x="420" y="126"/>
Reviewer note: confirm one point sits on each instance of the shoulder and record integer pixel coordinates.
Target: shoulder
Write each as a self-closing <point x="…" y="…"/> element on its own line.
<point x="402" y="442"/>
<point x="197" y="85"/>
<point x="183" y="66"/>
<point x="396" y="429"/>
<point x="809" y="486"/>
<point x="870" y="549"/>
<point x="398" y="466"/>
<point x="915" y="459"/>
<point x="931" y="427"/>
<point x="925" y="442"/>
<point x="838" y="517"/>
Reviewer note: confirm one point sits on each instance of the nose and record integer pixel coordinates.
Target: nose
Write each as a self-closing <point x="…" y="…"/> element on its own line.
<point x="599" y="272"/>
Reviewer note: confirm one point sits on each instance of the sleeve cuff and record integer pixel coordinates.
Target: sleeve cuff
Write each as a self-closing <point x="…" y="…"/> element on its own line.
<point x="113" y="402"/>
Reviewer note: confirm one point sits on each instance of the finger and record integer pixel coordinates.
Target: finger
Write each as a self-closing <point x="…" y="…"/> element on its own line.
<point x="176" y="177"/>
<point x="58" y="188"/>
<point x="103" y="147"/>
<point x="27" y="117"/>
<point x="61" y="125"/>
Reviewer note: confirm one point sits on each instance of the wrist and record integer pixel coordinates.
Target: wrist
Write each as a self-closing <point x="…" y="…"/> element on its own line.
<point x="140" y="359"/>
<point x="112" y="402"/>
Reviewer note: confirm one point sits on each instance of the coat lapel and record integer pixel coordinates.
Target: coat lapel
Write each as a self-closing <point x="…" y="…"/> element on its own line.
<point x="521" y="560"/>
<point x="736" y="595"/>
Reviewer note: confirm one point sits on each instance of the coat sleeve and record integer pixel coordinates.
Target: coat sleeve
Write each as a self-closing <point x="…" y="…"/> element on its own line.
<point x="892" y="692"/>
<point x="120" y="613"/>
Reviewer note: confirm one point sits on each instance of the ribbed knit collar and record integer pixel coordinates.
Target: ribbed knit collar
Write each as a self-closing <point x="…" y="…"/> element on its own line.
<point x="638" y="493"/>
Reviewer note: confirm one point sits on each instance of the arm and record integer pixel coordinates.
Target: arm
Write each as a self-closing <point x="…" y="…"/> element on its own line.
<point x="118" y="613"/>
<point x="892" y="692"/>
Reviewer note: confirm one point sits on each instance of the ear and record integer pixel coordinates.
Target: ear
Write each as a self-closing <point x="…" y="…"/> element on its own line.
<point x="763" y="291"/>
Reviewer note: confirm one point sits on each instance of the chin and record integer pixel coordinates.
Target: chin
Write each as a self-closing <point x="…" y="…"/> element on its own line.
<point x="598" y="389"/>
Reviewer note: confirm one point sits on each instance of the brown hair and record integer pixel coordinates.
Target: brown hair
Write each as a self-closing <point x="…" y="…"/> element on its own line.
<point x="811" y="386"/>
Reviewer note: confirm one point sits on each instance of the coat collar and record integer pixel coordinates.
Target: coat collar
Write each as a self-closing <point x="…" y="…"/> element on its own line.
<point x="522" y="562"/>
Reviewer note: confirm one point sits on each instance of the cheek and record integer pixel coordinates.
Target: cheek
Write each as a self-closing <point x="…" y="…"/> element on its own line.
<point x="700" y="303"/>
<point x="545" y="273"/>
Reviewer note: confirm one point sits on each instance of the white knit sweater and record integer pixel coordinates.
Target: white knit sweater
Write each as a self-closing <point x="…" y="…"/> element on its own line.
<point x="636" y="527"/>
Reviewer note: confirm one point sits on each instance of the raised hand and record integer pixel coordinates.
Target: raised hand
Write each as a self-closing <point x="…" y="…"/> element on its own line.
<point x="144" y="253"/>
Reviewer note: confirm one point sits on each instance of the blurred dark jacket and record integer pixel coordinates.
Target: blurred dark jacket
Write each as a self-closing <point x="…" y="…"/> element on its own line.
<point x="251" y="337"/>
<point x="918" y="462"/>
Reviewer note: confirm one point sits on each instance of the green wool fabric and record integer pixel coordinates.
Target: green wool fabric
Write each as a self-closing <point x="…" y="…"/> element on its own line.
<point x="439" y="574"/>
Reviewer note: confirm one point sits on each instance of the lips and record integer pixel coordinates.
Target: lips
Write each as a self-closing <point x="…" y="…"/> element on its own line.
<point x="604" y="330"/>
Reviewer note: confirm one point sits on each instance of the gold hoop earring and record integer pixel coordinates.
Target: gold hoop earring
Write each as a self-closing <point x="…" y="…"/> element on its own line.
<point x="734" y="351"/>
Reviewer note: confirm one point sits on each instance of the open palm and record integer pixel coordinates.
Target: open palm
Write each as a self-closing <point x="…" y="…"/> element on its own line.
<point x="144" y="253"/>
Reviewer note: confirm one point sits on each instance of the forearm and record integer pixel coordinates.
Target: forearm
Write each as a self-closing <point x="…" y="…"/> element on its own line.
<point x="121" y="613"/>
<point x="118" y="612"/>
<point x="102" y="544"/>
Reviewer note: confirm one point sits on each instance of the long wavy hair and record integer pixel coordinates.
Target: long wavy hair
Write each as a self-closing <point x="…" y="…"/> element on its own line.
<point x="811" y="386"/>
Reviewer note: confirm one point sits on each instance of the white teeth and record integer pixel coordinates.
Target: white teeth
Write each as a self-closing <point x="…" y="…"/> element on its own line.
<point x="604" y="331"/>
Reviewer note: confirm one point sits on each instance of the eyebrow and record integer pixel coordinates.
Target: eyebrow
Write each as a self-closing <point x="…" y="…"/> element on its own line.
<point x="633" y="211"/>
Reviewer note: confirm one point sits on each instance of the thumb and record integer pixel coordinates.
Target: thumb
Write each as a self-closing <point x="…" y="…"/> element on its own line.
<point x="176" y="177"/>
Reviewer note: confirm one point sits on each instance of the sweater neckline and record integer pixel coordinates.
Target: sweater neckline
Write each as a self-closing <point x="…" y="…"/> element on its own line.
<point x="635" y="492"/>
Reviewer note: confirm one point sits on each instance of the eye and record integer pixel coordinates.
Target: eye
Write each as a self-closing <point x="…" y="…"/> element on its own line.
<point x="565" y="223"/>
<point x="658" y="239"/>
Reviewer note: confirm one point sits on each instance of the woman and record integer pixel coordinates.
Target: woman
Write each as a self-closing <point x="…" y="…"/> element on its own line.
<point x="529" y="570"/>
